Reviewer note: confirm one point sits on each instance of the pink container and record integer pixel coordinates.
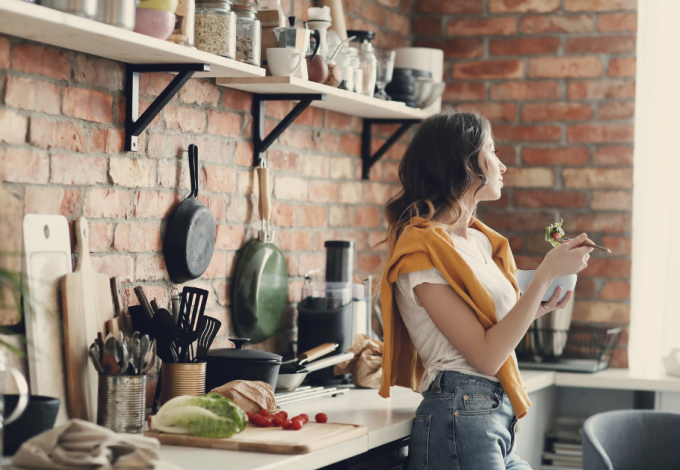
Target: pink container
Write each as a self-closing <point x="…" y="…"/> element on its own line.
<point x="155" y="23"/>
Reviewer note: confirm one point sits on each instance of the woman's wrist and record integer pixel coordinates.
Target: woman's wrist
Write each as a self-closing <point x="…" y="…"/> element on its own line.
<point x="544" y="275"/>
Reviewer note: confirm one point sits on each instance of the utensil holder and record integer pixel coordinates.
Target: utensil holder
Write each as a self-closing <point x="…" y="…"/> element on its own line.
<point x="121" y="403"/>
<point x="178" y="379"/>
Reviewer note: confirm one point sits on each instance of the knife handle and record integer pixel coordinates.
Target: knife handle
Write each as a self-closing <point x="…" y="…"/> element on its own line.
<point x="317" y="352"/>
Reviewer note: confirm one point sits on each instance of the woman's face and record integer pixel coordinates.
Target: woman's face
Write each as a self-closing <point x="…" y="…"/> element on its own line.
<point x="494" y="169"/>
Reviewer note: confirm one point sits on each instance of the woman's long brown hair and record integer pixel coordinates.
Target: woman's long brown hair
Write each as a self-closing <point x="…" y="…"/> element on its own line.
<point x="439" y="167"/>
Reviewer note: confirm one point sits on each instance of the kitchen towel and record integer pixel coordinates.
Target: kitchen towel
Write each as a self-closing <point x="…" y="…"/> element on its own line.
<point x="83" y="445"/>
<point x="366" y="366"/>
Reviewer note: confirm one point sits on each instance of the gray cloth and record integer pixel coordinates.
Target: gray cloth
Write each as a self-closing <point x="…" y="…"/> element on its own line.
<point x="631" y="440"/>
<point x="83" y="445"/>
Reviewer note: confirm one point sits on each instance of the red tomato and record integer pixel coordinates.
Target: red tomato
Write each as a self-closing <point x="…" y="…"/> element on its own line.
<point x="556" y="236"/>
<point x="283" y="414"/>
<point x="286" y="424"/>
<point x="252" y="418"/>
<point x="296" y="425"/>
<point x="264" y="412"/>
<point x="265" y="422"/>
<point x="321" y="418"/>
<point x="305" y="417"/>
<point x="276" y="421"/>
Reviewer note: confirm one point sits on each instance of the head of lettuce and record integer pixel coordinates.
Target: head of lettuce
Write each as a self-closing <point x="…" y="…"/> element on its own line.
<point x="210" y="415"/>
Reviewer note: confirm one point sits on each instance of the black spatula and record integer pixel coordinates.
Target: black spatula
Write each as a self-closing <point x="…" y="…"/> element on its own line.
<point x="210" y="327"/>
<point x="192" y="306"/>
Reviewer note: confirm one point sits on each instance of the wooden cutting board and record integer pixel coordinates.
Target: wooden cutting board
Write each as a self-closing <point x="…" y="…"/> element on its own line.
<point x="312" y="437"/>
<point x="82" y="321"/>
<point x="48" y="258"/>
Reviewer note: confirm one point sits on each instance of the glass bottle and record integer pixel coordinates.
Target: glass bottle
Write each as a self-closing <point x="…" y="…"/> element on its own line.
<point x="248" y="34"/>
<point x="355" y="64"/>
<point x="215" y="29"/>
<point x="369" y="67"/>
<point x="183" y="33"/>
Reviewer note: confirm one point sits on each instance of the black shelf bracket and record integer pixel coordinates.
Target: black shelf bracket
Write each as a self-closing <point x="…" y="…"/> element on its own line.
<point x="134" y="124"/>
<point x="262" y="143"/>
<point x="369" y="160"/>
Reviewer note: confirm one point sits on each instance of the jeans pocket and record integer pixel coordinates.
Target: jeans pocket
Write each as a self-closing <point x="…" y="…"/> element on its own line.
<point x="420" y="443"/>
<point x="481" y="403"/>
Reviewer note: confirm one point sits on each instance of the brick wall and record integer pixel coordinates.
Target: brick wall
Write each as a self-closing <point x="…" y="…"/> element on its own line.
<point x="61" y="152"/>
<point x="557" y="80"/>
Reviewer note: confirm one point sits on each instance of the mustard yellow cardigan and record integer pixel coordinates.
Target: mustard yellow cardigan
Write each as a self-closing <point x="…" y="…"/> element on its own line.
<point x="424" y="245"/>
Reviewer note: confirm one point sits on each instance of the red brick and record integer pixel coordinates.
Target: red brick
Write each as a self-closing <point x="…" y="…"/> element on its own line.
<point x="289" y="187"/>
<point x="137" y="237"/>
<point x="506" y="154"/>
<point x="531" y="90"/>
<point x="219" y="178"/>
<point x="600" y="133"/>
<point x="597" y="178"/>
<point x="389" y="3"/>
<point x="76" y="169"/>
<point x="321" y="236"/>
<point x="556" y="156"/>
<point x="104" y="73"/>
<point x="200" y="92"/>
<point x="155" y="205"/>
<point x="41" y="200"/>
<point x="400" y="24"/>
<point x="369" y="263"/>
<point x="612" y="201"/>
<point x="243" y="155"/>
<point x="376" y="193"/>
<point x="529" y="178"/>
<point x="216" y="204"/>
<point x="585" y="289"/>
<point x="24" y="166"/>
<point x="105" y="203"/>
<point x="536" y="244"/>
<point x="492" y="111"/>
<point x="350" y="143"/>
<point x="601" y="89"/>
<point x="620" y="246"/>
<point x="310" y="117"/>
<point x="101" y="236"/>
<point x="295" y="240"/>
<point x="295" y="137"/>
<point x="367" y="216"/>
<point x="132" y="172"/>
<point x="557" y="24"/>
<point x="614" y="155"/>
<point x="524" y="46"/>
<point x="312" y="216"/>
<point x="488" y="69"/>
<point x="229" y="237"/>
<point x="359" y="237"/>
<point x="315" y="166"/>
<point x="601" y="312"/>
<point x="282" y="160"/>
<point x="321" y="191"/>
<point x="152" y="267"/>
<point x="538" y="133"/>
<point x="350" y="192"/>
<point x="607" y="267"/>
<point x="518" y="221"/>
<point x="119" y="266"/>
<point x="449" y="8"/>
<point x="622" y="67"/>
<point x="427" y="26"/>
<point x="372" y="12"/>
<point x="32" y="58"/>
<point x="153" y="84"/>
<point x="601" y="222"/>
<point x="454" y="48"/>
<point x="13" y="127"/>
<point x="523" y="6"/>
<point x="310" y="262"/>
<point x="464" y="92"/>
<point x="186" y="119"/>
<point x="109" y="140"/>
<point x="616" y="110"/>
<point x="32" y="95"/>
<point x="325" y="142"/>
<point x="89" y="105"/>
<point x="565" y="67"/>
<point x="343" y="122"/>
<point x="502" y="26"/>
<point x="57" y="134"/>
<point x="599" y="5"/>
<point x="600" y="45"/>
<point x="283" y="215"/>
<point x="4" y="53"/>
<point x="242" y="210"/>
<point x="556" y="112"/>
<point x="339" y="215"/>
<point x="237" y="100"/>
<point x="617" y="22"/>
<point x="538" y="199"/>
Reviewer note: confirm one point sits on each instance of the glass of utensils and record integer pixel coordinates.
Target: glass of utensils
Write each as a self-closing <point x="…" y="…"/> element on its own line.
<point x="385" y="66"/>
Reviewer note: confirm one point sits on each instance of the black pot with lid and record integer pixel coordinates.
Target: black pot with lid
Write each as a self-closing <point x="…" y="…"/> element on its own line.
<point x="228" y="364"/>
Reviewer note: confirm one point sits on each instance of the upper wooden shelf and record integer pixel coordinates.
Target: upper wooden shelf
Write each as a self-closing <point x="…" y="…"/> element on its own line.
<point x="53" y="27"/>
<point x="341" y="101"/>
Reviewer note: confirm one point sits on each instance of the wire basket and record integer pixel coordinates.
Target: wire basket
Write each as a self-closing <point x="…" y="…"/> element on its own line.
<point x="580" y="342"/>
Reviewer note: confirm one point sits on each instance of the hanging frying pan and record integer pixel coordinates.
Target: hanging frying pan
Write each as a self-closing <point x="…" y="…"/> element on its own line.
<point x="190" y="237"/>
<point x="261" y="282"/>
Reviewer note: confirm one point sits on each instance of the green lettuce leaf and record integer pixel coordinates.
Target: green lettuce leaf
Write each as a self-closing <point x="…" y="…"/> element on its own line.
<point x="554" y="228"/>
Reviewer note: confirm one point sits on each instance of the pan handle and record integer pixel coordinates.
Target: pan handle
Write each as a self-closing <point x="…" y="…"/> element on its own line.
<point x="193" y="169"/>
<point x="331" y="361"/>
<point x="265" y="204"/>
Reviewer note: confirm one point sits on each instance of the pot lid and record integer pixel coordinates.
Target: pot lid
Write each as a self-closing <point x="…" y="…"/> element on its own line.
<point x="247" y="355"/>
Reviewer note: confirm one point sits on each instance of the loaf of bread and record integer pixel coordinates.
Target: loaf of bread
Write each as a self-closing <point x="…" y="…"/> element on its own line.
<point x="249" y="395"/>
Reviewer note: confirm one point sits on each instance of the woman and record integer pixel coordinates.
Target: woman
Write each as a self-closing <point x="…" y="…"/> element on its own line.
<point x="451" y="308"/>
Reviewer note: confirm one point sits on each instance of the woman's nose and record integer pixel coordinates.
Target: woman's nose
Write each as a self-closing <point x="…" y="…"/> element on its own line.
<point x="503" y="168"/>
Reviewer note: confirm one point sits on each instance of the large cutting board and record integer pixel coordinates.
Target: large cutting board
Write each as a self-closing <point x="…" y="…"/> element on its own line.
<point x="82" y="321"/>
<point x="48" y="259"/>
<point x="312" y="437"/>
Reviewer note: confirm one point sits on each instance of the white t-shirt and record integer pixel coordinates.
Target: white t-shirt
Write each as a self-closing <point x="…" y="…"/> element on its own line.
<point x="435" y="351"/>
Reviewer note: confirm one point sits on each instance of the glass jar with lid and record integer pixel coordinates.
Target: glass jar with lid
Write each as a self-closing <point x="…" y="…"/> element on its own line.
<point x="355" y="62"/>
<point x="215" y="29"/>
<point x="183" y="33"/>
<point x="248" y="34"/>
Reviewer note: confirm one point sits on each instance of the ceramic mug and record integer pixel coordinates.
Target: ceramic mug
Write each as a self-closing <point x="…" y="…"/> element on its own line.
<point x="283" y="61"/>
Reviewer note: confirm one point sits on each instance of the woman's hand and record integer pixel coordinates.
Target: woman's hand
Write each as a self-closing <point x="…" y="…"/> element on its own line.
<point x="553" y="304"/>
<point x="569" y="258"/>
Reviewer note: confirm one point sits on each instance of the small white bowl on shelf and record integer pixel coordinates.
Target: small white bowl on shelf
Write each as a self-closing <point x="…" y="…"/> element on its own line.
<point x="567" y="283"/>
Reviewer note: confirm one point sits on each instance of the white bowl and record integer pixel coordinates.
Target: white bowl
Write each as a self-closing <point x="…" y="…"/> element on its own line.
<point x="567" y="283"/>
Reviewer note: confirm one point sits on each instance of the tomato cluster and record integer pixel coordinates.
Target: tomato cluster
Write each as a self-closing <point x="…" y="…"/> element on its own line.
<point x="263" y="419"/>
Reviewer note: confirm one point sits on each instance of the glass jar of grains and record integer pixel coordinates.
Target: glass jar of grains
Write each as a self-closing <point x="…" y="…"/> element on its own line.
<point x="215" y="29"/>
<point x="248" y="34"/>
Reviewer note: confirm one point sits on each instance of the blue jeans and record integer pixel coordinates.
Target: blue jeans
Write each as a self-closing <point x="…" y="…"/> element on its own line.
<point x="464" y="423"/>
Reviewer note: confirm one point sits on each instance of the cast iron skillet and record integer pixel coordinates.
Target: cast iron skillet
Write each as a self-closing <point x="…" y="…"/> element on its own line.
<point x="190" y="237"/>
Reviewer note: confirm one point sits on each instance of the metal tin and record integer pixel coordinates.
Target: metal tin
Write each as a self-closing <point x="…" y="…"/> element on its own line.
<point x="121" y="403"/>
<point x="119" y="13"/>
<point x="84" y="8"/>
<point x="178" y="379"/>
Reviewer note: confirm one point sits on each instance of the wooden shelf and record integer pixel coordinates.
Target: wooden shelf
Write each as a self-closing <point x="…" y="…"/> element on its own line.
<point x="341" y="101"/>
<point x="56" y="28"/>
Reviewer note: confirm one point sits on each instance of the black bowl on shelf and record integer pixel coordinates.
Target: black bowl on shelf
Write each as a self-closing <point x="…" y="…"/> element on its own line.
<point x="38" y="417"/>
